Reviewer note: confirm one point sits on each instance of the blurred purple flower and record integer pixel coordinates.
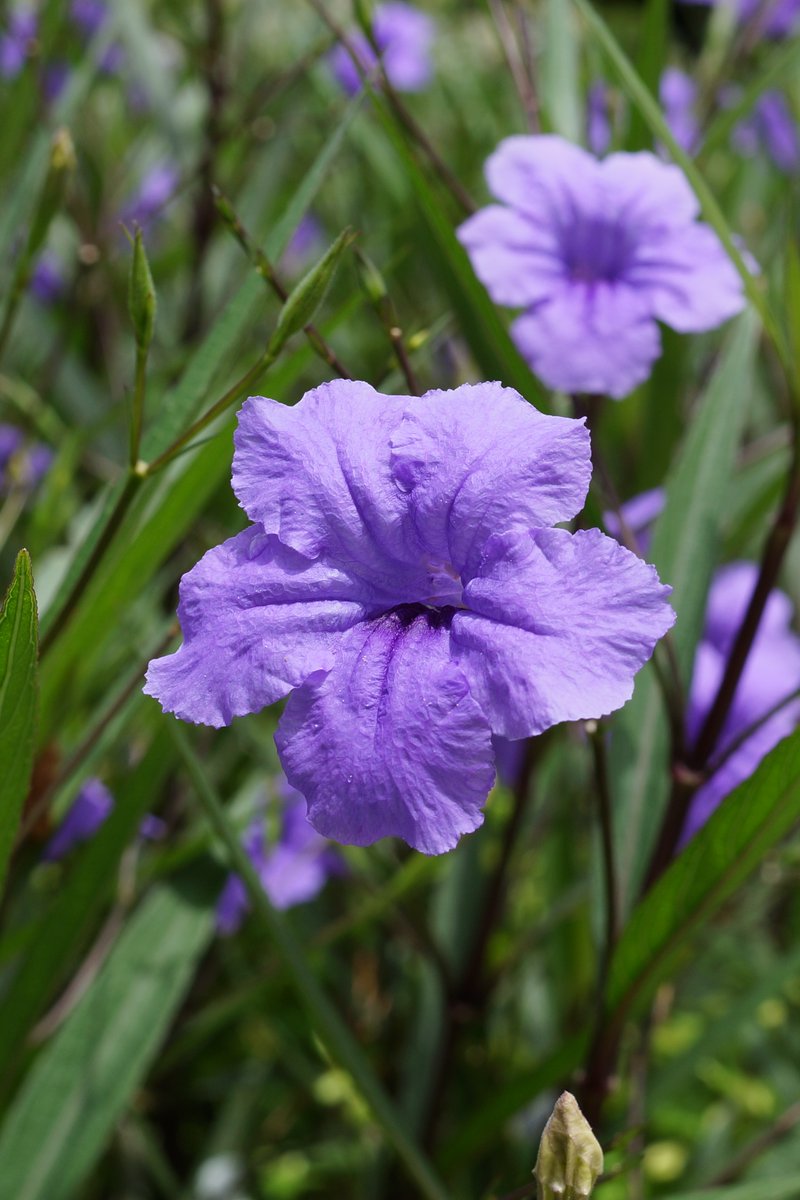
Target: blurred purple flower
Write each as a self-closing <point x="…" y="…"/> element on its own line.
<point x="293" y="871"/>
<point x="779" y="17"/>
<point x="771" y="675"/>
<point x="90" y="808"/>
<point x="404" y="37"/>
<point x="679" y="92"/>
<point x="88" y="15"/>
<point x="55" y="78"/>
<point x="156" y="189"/>
<point x="21" y="28"/>
<point x="22" y="465"/>
<point x="306" y="243"/>
<point x="771" y="126"/>
<point x="596" y="252"/>
<point x="638" y="513"/>
<point x="152" y="828"/>
<point x="47" y="281"/>
<point x="402" y="581"/>
<point x="598" y="119"/>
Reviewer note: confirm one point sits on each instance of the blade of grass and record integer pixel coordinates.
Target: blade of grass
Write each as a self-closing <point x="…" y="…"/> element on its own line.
<point x="18" y="701"/>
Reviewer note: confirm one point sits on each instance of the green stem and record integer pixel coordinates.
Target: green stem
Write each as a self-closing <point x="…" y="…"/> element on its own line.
<point x="137" y="411"/>
<point x="233" y="394"/>
<point x="327" y="1022"/>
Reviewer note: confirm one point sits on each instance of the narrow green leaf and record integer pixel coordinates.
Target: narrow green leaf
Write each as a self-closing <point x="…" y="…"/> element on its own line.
<point x="686" y="546"/>
<point x="561" y="93"/>
<point x="85" y="1077"/>
<point x="326" y="1020"/>
<point x="18" y="701"/>
<point x="757" y="815"/>
<point x="650" y="110"/>
<point x="652" y="56"/>
<point x="67" y="922"/>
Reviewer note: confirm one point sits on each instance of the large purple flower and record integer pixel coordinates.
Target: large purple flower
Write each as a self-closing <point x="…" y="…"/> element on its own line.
<point x="402" y="582"/>
<point x="404" y="36"/>
<point x="771" y="676"/>
<point x="778" y="17"/>
<point x="293" y="871"/>
<point x="596" y="253"/>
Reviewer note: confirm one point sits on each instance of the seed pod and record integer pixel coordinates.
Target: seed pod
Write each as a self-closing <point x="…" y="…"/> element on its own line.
<point x="141" y="294"/>
<point x="305" y="299"/>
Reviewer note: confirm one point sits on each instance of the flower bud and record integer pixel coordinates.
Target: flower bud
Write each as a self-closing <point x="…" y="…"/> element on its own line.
<point x="141" y="294"/>
<point x="305" y="299"/>
<point x="570" y="1157"/>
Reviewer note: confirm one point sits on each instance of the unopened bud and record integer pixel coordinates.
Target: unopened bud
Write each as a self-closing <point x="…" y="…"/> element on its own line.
<point x="371" y="279"/>
<point x="570" y="1157"/>
<point x="141" y="294"/>
<point x="305" y="299"/>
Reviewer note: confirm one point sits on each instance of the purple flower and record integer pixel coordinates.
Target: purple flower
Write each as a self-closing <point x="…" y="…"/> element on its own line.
<point x="88" y="15"/>
<point x="771" y="675"/>
<point x="401" y="581"/>
<point x="156" y="189"/>
<point x="15" y="42"/>
<point x="89" y="810"/>
<point x="404" y="37"/>
<point x="293" y="871"/>
<point x="598" y="120"/>
<point x="596" y="252"/>
<point x="678" y="92"/>
<point x="778" y="17"/>
<point x="47" y="280"/>
<point x="770" y="125"/>
<point x="21" y="465"/>
<point x="152" y="828"/>
<point x="306" y="243"/>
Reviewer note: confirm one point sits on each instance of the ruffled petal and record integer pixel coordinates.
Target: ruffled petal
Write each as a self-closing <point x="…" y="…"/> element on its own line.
<point x="557" y="627"/>
<point x="319" y="477"/>
<point x="390" y="742"/>
<point x="545" y="176"/>
<point x="257" y="619"/>
<point x="518" y="260"/>
<point x="596" y="338"/>
<point x="454" y="447"/>
<point x="688" y="279"/>
<point x="646" y="194"/>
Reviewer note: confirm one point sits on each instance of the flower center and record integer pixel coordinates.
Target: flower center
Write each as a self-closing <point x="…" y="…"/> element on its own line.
<point x="595" y="249"/>
<point x="445" y="585"/>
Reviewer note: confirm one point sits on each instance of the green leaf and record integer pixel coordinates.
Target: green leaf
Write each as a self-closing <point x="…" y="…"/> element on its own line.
<point x="67" y="922"/>
<point x="561" y="93"/>
<point x="686" y="546"/>
<point x="774" y="1188"/>
<point x="18" y="701"/>
<point x="757" y="815"/>
<point x="655" y="38"/>
<point x="84" y="1078"/>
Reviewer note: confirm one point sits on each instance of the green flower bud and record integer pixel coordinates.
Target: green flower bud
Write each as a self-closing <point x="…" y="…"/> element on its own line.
<point x="141" y="294"/>
<point x="570" y="1157"/>
<point x="303" y="302"/>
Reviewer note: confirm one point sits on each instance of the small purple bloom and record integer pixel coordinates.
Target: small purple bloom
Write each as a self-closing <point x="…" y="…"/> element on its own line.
<point x="638" y="513"/>
<point x="156" y="189"/>
<point x="90" y="808"/>
<point x="771" y="675"/>
<point x="404" y="36"/>
<point x="15" y="42"/>
<point x="679" y="93"/>
<point x="47" y="281"/>
<point x="771" y="125"/>
<point x="778" y="17"/>
<point x="306" y="243"/>
<point x="56" y="77"/>
<point x="152" y="828"/>
<point x="293" y="871"/>
<point x="596" y="253"/>
<point x="598" y="119"/>
<point x="402" y="581"/>
<point x="88" y="15"/>
<point x="21" y="465"/>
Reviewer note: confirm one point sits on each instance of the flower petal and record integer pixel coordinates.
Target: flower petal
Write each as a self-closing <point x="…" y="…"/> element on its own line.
<point x="546" y="177"/>
<point x="597" y="338"/>
<point x="518" y="260"/>
<point x="257" y="619"/>
<point x="390" y="742"/>
<point x="453" y="448"/>
<point x="688" y="278"/>
<point x="557" y="627"/>
<point x="646" y="194"/>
